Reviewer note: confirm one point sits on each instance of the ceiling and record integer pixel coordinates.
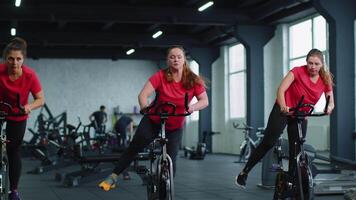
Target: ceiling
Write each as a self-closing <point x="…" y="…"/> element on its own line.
<point x="108" y="28"/>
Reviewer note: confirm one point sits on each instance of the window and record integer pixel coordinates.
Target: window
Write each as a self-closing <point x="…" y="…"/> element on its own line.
<point x="237" y="83"/>
<point x="303" y="36"/>
<point x="194" y="66"/>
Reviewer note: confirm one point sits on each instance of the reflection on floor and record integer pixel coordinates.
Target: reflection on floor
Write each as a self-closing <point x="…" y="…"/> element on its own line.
<point x="210" y="179"/>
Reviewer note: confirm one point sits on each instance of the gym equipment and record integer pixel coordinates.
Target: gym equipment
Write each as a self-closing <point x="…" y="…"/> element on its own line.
<point x="297" y="182"/>
<point x="6" y="110"/>
<point x="271" y="163"/>
<point x="95" y="163"/>
<point x="49" y="135"/>
<point x="250" y="142"/>
<point x="339" y="180"/>
<point x="200" y="151"/>
<point x="160" y="184"/>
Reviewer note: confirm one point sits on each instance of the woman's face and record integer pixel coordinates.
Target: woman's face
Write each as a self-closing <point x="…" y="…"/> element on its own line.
<point x="314" y="63"/>
<point x="176" y="59"/>
<point x="14" y="60"/>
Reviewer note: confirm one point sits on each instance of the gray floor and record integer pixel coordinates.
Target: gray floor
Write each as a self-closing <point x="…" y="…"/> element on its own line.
<point x="210" y="179"/>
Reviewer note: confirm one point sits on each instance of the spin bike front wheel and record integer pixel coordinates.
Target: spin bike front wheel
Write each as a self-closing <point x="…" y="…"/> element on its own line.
<point x="165" y="181"/>
<point x="307" y="182"/>
<point x="283" y="189"/>
<point x="248" y="151"/>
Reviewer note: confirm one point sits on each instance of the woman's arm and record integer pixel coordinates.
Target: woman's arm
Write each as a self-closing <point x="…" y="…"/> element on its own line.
<point x="286" y="82"/>
<point x="38" y="102"/>
<point x="203" y="102"/>
<point x="331" y="105"/>
<point x="146" y="92"/>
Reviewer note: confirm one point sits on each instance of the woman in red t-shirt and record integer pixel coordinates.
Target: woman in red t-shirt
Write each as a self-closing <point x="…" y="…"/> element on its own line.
<point x="16" y="78"/>
<point x="172" y="84"/>
<point x="310" y="80"/>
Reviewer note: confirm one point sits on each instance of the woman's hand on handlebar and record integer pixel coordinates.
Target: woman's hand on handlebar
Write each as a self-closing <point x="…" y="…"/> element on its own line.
<point x="285" y="109"/>
<point x="27" y="109"/>
<point x="329" y="110"/>
<point x="143" y="109"/>
<point x="191" y="108"/>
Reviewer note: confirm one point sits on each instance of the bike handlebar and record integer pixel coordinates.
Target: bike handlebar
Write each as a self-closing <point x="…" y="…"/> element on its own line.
<point x="298" y="112"/>
<point x="10" y="109"/>
<point x="160" y="111"/>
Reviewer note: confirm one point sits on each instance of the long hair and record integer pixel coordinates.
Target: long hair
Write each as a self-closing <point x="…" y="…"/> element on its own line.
<point x="189" y="78"/>
<point x="325" y="75"/>
<point x="16" y="44"/>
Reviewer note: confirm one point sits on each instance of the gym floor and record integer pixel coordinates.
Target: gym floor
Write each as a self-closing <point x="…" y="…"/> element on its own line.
<point x="210" y="179"/>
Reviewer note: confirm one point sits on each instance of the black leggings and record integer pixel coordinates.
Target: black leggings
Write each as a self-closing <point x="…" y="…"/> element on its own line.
<point x="275" y="126"/>
<point x="146" y="132"/>
<point x="14" y="133"/>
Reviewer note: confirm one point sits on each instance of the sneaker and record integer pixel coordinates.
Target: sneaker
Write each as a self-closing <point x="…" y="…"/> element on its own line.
<point x="14" y="195"/>
<point x="241" y="180"/>
<point x="109" y="183"/>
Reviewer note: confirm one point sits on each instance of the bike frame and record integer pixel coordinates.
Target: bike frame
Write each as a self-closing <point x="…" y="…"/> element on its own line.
<point x="248" y="142"/>
<point x="301" y="158"/>
<point x="164" y="161"/>
<point x="4" y="163"/>
<point x="4" y="187"/>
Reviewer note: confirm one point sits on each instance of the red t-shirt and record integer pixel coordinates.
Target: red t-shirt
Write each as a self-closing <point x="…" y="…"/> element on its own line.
<point x="302" y="85"/>
<point x="175" y="93"/>
<point x="26" y="83"/>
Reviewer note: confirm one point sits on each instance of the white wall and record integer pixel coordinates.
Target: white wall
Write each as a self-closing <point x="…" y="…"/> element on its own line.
<point x="80" y="86"/>
<point x="191" y="133"/>
<point x="273" y="69"/>
<point x="229" y="139"/>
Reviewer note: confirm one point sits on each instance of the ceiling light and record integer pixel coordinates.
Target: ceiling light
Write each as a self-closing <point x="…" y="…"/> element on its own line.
<point x="17" y="3"/>
<point x="205" y="6"/>
<point x="130" y="51"/>
<point x="157" y="34"/>
<point x="13" y="31"/>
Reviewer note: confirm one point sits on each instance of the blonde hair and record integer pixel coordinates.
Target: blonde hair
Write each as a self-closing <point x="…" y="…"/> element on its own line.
<point x="325" y="75"/>
<point x="189" y="78"/>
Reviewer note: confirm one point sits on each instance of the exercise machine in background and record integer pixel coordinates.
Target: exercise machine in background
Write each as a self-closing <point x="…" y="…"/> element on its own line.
<point x="199" y="152"/>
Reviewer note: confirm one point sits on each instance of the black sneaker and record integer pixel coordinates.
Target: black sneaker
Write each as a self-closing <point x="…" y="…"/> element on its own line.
<point x="14" y="195"/>
<point x="241" y="180"/>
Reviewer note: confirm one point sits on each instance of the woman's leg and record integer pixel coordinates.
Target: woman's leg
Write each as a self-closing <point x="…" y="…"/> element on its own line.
<point x="174" y="139"/>
<point x="275" y="126"/>
<point x="14" y="133"/>
<point x="145" y="134"/>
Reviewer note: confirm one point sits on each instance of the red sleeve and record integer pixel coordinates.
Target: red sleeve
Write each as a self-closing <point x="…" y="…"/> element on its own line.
<point x="296" y="71"/>
<point x="198" y="89"/>
<point x="155" y="79"/>
<point x="36" y="85"/>
<point x="328" y="88"/>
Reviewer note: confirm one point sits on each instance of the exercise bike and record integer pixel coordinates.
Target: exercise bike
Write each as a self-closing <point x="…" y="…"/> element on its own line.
<point x="6" y="110"/>
<point x="298" y="183"/>
<point x="199" y="152"/>
<point x="159" y="177"/>
<point x="249" y="144"/>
